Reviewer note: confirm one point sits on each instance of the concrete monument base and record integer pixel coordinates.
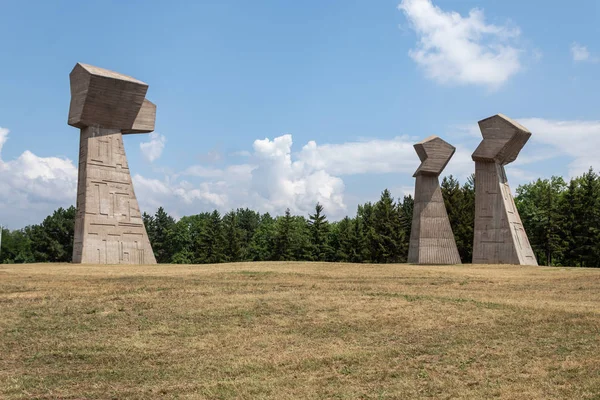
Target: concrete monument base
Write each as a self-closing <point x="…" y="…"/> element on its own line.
<point x="431" y="237"/>
<point x="499" y="234"/>
<point x="108" y="227"/>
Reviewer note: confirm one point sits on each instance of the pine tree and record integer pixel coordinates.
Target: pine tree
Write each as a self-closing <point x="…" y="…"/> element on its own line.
<point x="359" y="247"/>
<point x="587" y="220"/>
<point x="301" y="247"/>
<point x="283" y="238"/>
<point x="262" y="244"/>
<point x="180" y="240"/>
<point x="452" y="197"/>
<point x="402" y="239"/>
<point x="388" y="232"/>
<point x="466" y="229"/>
<point x="248" y="223"/>
<point x="319" y="229"/>
<point x="567" y="208"/>
<point x="460" y="205"/>
<point x="406" y="214"/>
<point x="368" y="235"/>
<point x="343" y="240"/>
<point x="161" y="225"/>
<point x="211" y="241"/>
<point x="148" y="221"/>
<point x="233" y="245"/>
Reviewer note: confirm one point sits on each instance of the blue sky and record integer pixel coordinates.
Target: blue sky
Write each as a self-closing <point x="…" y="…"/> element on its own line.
<point x="276" y="104"/>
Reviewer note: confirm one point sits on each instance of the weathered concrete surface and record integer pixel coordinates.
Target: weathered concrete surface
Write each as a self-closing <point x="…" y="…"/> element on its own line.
<point x="108" y="225"/>
<point x="104" y="98"/>
<point x="434" y="154"/>
<point x="431" y="237"/>
<point x="499" y="236"/>
<point x="144" y="122"/>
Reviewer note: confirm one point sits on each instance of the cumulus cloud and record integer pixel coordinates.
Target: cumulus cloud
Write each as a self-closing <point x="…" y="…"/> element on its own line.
<point x="580" y="53"/>
<point x="3" y="137"/>
<point x="33" y="186"/>
<point x="284" y="183"/>
<point x="372" y="156"/>
<point x="152" y="149"/>
<point x="181" y="198"/>
<point x="453" y="49"/>
<point x="225" y="190"/>
<point x="578" y="140"/>
<point x="273" y="179"/>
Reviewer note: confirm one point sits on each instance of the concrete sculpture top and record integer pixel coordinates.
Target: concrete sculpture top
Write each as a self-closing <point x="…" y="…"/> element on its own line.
<point x="109" y="100"/>
<point x="503" y="139"/>
<point x="434" y="154"/>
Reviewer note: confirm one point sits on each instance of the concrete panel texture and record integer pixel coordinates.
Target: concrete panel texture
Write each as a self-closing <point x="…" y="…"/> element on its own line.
<point x="108" y="225"/>
<point x="431" y="237"/>
<point x="104" y="98"/>
<point x="499" y="235"/>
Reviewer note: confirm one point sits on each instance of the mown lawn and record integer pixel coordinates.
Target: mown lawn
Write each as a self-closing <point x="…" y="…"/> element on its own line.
<point x="298" y="331"/>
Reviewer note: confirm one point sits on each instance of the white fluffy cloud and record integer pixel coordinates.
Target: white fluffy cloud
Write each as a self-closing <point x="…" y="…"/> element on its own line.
<point x="578" y="140"/>
<point x="226" y="190"/>
<point x="272" y="181"/>
<point x="375" y="156"/>
<point x="283" y="183"/>
<point x="152" y="149"/>
<point x="581" y="53"/>
<point x="33" y="186"/>
<point x="372" y="156"/>
<point x="461" y="50"/>
<point x="3" y="137"/>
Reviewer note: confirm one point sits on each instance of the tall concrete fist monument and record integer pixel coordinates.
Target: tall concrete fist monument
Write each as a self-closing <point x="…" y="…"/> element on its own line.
<point x="431" y="237"/>
<point x="499" y="234"/>
<point x="108" y="225"/>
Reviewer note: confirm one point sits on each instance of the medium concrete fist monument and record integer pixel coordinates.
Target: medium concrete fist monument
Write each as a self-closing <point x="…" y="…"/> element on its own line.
<point x="108" y="225"/>
<point x="499" y="234"/>
<point x="431" y="237"/>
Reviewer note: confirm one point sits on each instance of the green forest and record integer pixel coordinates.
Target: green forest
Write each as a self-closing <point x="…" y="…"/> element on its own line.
<point x="562" y="221"/>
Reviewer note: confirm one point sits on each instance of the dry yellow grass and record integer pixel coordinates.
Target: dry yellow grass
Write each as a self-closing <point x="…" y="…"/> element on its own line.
<point x="298" y="331"/>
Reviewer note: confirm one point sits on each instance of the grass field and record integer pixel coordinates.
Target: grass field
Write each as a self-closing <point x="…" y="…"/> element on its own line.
<point x="298" y="331"/>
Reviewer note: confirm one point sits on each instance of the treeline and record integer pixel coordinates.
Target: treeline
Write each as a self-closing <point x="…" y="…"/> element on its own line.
<point x="379" y="233"/>
<point x="562" y="222"/>
<point x="50" y="241"/>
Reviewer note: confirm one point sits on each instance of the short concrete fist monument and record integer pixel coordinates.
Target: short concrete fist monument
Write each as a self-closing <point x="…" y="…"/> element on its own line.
<point x="499" y="234"/>
<point x="108" y="225"/>
<point x="431" y="237"/>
